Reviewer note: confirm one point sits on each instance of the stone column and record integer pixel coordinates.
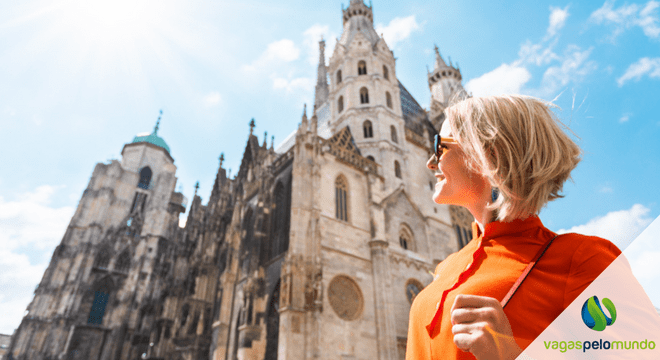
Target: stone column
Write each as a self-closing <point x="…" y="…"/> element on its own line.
<point x="387" y="346"/>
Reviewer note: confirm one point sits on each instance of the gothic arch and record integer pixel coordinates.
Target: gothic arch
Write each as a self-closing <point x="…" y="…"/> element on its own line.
<point x="123" y="262"/>
<point x="388" y="99"/>
<point x="367" y="127"/>
<point x="341" y="198"/>
<point x="386" y="74"/>
<point x="340" y="104"/>
<point x="102" y="259"/>
<point x="339" y="76"/>
<point x="101" y="290"/>
<point x="406" y="238"/>
<point x="395" y="138"/>
<point x="362" y="67"/>
<point x="364" y="96"/>
<point x="273" y="324"/>
<point x="280" y="221"/>
<point x="145" y="178"/>
<point x="397" y="169"/>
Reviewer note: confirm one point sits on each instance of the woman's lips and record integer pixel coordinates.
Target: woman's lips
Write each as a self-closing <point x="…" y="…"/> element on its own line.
<point x="439" y="176"/>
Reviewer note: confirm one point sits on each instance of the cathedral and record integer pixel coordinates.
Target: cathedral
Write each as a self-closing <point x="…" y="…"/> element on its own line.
<point x="314" y="250"/>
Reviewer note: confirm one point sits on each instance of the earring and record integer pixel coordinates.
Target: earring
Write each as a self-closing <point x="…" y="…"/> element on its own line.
<point x="494" y="193"/>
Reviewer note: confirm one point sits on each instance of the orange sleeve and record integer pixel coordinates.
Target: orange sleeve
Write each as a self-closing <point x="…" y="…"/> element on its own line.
<point x="590" y="259"/>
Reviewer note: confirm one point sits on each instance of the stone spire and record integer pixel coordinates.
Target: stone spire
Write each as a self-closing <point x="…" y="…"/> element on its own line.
<point x="322" y="91"/>
<point x="252" y="125"/>
<point x="158" y="122"/>
<point x="265" y="145"/>
<point x="358" y="7"/>
<point x="439" y="62"/>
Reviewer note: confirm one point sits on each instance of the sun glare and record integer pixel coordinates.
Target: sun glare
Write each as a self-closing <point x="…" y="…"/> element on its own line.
<point x="114" y="21"/>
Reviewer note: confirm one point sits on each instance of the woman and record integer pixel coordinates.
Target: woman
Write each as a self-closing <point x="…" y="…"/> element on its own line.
<point x="503" y="158"/>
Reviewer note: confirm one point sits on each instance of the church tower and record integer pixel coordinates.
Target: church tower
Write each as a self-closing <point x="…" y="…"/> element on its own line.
<point x="445" y="85"/>
<point x="90" y="302"/>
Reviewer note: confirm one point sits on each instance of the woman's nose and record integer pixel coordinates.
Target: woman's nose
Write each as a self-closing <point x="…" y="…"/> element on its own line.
<point x="432" y="164"/>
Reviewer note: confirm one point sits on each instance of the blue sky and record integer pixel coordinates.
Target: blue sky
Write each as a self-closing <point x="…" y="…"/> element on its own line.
<point x="78" y="79"/>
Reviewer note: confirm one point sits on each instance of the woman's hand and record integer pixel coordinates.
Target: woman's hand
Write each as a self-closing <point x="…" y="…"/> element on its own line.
<point x="480" y="326"/>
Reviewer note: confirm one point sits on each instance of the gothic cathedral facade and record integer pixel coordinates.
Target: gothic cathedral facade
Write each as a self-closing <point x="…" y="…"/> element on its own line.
<point x="314" y="250"/>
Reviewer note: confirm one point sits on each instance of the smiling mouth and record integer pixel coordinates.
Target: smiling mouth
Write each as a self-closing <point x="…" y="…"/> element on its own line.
<point x="439" y="176"/>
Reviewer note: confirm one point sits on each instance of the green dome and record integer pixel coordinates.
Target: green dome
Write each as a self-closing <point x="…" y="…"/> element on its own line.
<point x="152" y="139"/>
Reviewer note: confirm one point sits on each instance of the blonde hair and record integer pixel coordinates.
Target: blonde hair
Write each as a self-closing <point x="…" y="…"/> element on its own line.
<point x="516" y="142"/>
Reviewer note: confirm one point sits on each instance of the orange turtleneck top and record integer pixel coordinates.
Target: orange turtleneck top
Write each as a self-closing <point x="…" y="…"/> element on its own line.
<point x="489" y="265"/>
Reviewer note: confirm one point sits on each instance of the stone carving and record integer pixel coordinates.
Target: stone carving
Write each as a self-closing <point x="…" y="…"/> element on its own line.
<point x="345" y="297"/>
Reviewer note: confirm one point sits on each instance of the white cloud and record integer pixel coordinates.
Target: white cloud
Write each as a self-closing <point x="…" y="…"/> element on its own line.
<point x="575" y="65"/>
<point x="557" y="20"/>
<point x="281" y="51"/>
<point x="398" y="29"/>
<point x="18" y="279"/>
<point x="311" y="38"/>
<point x="30" y="230"/>
<point x="627" y="16"/>
<point x="643" y="254"/>
<point x="624" y="118"/>
<point x="537" y="54"/>
<point x="644" y="66"/>
<point x="292" y="85"/>
<point x="30" y="222"/>
<point x="605" y="189"/>
<point x="513" y="77"/>
<point x="620" y="227"/>
<point x="212" y="99"/>
<point x="506" y="79"/>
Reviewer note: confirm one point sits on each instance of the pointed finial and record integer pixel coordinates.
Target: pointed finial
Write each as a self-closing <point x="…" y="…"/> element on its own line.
<point x="439" y="62"/>
<point x="222" y="158"/>
<point x="305" y="110"/>
<point x="252" y="125"/>
<point x="196" y="187"/>
<point x="265" y="138"/>
<point x="158" y="122"/>
<point x="272" y="142"/>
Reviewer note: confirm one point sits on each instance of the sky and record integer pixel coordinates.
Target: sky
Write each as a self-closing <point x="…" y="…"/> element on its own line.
<point x="80" y="78"/>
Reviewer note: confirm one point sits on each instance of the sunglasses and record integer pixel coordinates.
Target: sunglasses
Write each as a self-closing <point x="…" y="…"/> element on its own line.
<point x="439" y="145"/>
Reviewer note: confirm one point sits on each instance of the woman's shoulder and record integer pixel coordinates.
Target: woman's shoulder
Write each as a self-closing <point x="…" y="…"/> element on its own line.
<point x="588" y="246"/>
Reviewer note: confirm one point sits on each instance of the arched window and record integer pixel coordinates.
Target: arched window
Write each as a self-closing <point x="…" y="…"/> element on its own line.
<point x="364" y="96"/>
<point x="123" y="262"/>
<point x="192" y="281"/>
<point x="388" y="99"/>
<point x="405" y="238"/>
<point x="338" y="76"/>
<point x="102" y="258"/>
<point x="101" y="296"/>
<point x="397" y="169"/>
<point x="395" y="139"/>
<point x="341" y="206"/>
<point x="272" y="324"/>
<point x="368" y="129"/>
<point x="371" y="158"/>
<point x="362" y="68"/>
<point x="145" y="178"/>
<point x="386" y="74"/>
<point x="280" y="221"/>
<point x="340" y="104"/>
<point x="185" y="311"/>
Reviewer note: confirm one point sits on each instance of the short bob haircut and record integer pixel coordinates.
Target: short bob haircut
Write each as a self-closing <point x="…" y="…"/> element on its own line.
<point x="517" y="143"/>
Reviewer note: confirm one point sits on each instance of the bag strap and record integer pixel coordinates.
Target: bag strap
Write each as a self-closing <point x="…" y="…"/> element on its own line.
<point x="524" y="274"/>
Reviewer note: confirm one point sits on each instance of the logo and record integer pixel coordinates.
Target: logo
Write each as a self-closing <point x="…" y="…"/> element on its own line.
<point x="593" y="315"/>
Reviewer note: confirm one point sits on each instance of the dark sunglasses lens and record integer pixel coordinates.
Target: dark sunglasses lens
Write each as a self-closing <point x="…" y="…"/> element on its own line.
<point x="436" y="147"/>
